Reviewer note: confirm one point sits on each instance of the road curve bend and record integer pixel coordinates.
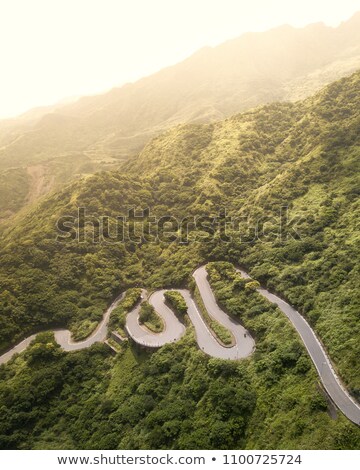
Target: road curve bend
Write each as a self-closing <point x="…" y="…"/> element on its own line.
<point x="173" y="328"/>
<point x="244" y="343"/>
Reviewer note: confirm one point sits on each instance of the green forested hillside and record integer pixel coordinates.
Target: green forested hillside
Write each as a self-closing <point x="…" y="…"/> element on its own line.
<point x="14" y="188"/>
<point x="304" y="156"/>
<point x="257" y="68"/>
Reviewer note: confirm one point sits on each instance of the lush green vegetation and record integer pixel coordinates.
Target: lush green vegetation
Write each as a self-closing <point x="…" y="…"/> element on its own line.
<point x="149" y="318"/>
<point x="118" y="315"/>
<point x="302" y="155"/>
<point x="14" y="186"/>
<point x="222" y="334"/>
<point x="176" y="302"/>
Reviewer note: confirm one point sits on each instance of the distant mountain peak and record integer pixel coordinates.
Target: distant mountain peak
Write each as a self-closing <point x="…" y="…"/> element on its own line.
<point x="282" y="64"/>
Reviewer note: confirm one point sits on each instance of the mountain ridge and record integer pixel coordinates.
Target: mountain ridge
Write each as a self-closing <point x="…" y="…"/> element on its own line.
<point x="99" y="132"/>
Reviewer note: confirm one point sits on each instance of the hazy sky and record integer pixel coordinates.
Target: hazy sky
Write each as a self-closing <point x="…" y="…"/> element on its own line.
<point x="53" y="49"/>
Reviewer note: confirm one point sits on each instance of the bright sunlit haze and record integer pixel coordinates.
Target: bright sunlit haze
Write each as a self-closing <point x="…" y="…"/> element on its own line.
<point x="54" y="50"/>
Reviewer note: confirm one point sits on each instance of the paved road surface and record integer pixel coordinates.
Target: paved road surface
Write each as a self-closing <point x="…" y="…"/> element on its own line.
<point x="16" y="349"/>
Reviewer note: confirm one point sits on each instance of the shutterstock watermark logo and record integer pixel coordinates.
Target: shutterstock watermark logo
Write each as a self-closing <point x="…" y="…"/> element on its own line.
<point x="140" y="226"/>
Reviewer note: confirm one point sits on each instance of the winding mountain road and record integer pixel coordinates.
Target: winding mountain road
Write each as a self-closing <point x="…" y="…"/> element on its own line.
<point x="173" y="328"/>
<point x="244" y="343"/>
<point x="327" y="374"/>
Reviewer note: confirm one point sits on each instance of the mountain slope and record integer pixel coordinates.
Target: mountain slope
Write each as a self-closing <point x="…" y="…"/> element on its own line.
<point x="282" y="64"/>
<point x="213" y="83"/>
